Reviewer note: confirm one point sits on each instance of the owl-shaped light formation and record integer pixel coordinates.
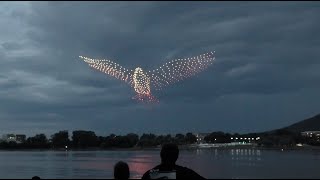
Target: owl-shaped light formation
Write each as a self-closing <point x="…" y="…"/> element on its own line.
<point x="145" y="81"/>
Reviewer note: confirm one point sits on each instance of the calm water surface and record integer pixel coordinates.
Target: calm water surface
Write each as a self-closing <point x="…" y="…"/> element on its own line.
<point x="210" y="163"/>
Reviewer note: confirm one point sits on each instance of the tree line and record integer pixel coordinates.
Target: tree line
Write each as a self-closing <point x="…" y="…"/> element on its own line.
<point x="81" y="139"/>
<point x="88" y="139"/>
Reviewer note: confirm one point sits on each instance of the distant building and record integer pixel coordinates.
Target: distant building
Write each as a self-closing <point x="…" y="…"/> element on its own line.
<point x="201" y="136"/>
<point x="20" y="138"/>
<point x="9" y="137"/>
<point x="311" y="133"/>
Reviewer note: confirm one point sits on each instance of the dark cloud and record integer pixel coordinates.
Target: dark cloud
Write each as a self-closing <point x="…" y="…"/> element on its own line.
<point x="265" y="76"/>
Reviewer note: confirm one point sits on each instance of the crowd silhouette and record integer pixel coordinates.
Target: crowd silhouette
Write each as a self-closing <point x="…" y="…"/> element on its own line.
<point x="167" y="169"/>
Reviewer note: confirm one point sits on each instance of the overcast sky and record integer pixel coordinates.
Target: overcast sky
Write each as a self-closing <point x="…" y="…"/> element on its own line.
<point x="266" y="74"/>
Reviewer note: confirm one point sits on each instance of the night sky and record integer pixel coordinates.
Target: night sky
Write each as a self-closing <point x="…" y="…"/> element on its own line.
<point x="265" y="76"/>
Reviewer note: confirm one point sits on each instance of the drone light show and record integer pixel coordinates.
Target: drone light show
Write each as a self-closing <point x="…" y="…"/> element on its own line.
<point x="144" y="82"/>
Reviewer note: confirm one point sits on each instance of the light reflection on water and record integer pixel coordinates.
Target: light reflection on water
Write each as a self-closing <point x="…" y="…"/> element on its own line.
<point x="210" y="163"/>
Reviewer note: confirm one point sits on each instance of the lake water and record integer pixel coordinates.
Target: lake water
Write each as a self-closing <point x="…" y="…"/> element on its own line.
<point x="210" y="163"/>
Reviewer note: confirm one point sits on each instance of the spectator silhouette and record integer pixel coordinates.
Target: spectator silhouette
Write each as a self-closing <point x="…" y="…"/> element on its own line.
<point x="35" y="177"/>
<point x="121" y="171"/>
<point x="168" y="169"/>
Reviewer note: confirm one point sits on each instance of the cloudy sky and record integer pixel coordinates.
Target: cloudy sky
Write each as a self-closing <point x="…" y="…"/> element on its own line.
<point x="266" y="73"/>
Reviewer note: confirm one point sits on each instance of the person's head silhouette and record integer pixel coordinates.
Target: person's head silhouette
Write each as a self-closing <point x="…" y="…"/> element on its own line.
<point x="121" y="171"/>
<point x="169" y="154"/>
<point x="168" y="169"/>
<point x="35" y="177"/>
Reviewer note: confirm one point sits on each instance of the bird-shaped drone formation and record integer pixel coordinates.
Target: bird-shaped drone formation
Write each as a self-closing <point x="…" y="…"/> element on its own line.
<point x="144" y="81"/>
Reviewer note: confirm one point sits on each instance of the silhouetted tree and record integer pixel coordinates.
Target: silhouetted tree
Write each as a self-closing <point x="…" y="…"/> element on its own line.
<point x="9" y="145"/>
<point x="101" y="141"/>
<point x="180" y="139"/>
<point x="109" y="141"/>
<point x="190" y="138"/>
<point x="147" y="140"/>
<point x="60" y="139"/>
<point x="160" y="140"/>
<point x="168" y="139"/>
<point x="38" y="141"/>
<point x="84" y="139"/>
<point x="133" y="139"/>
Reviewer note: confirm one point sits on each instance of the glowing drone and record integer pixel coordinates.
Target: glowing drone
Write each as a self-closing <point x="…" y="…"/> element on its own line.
<point x="143" y="81"/>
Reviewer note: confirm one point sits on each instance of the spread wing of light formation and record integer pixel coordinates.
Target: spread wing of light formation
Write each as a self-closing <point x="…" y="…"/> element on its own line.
<point x="179" y="69"/>
<point x="144" y="82"/>
<point x="110" y="68"/>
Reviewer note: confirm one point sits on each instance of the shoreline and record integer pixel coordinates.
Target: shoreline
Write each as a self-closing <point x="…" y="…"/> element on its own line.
<point x="182" y="147"/>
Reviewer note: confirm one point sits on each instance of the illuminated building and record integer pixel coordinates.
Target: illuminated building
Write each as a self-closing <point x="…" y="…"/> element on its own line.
<point x="18" y="138"/>
<point x="9" y="137"/>
<point x="201" y="136"/>
<point x="311" y="134"/>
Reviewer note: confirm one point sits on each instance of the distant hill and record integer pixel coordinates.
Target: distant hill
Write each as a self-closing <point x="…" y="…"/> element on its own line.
<point x="310" y="124"/>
